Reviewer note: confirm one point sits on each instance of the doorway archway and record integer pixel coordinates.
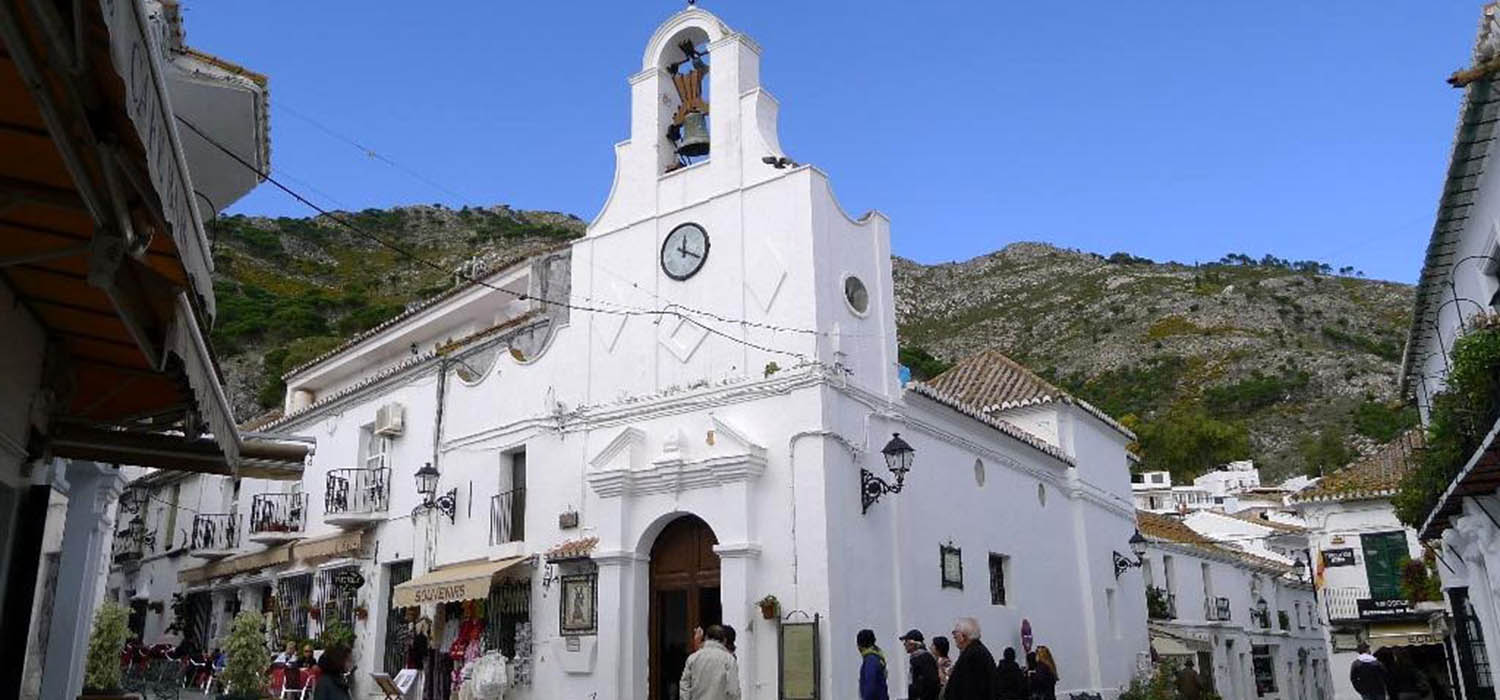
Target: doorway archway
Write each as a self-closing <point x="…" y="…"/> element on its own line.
<point x="684" y="594"/>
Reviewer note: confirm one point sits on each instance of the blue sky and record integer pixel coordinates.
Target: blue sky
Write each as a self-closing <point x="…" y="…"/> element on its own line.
<point x="1171" y="129"/>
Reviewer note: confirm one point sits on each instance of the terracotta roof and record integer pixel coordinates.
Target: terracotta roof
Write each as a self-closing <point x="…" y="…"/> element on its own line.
<point x="572" y="549"/>
<point x="1004" y="427"/>
<point x="1282" y="527"/>
<point x="1373" y="476"/>
<point x="1164" y="528"/>
<point x="993" y="383"/>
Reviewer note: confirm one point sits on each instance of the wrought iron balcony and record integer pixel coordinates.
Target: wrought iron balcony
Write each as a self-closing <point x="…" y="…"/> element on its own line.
<point x="128" y="548"/>
<point x="278" y="517"/>
<point x="355" y="498"/>
<point x="508" y="516"/>
<point x="215" y="535"/>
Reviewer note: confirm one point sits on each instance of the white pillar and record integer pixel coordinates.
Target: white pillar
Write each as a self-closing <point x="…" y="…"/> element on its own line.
<point x="87" y="535"/>
<point x="735" y="575"/>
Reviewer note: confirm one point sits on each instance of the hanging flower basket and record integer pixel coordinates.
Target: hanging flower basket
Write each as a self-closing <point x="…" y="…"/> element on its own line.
<point x="770" y="608"/>
<point x="361" y="612"/>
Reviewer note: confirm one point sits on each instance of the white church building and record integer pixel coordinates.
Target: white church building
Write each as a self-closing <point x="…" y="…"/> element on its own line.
<point x="690" y="409"/>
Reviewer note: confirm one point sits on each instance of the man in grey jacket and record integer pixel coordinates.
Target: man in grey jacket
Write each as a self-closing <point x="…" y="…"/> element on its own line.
<point x="711" y="672"/>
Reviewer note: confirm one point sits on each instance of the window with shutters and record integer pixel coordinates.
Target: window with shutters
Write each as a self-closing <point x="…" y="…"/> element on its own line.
<point x="1384" y="552"/>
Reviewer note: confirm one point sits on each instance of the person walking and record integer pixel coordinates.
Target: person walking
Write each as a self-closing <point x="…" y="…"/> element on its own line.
<point x="944" y="663"/>
<point x="333" y="681"/>
<point x="1367" y="675"/>
<point x="923" y="683"/>
<point x="1189" y="685"/>
<point x="1010" y="680"/>
<point x="872" y="674"/>
<point x="1042" y="683"/>
<point x="711" y="673"/>
<point x="973" y="676"/>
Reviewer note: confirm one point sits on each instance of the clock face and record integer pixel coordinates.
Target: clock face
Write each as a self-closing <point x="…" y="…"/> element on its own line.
<point x="684" y="251"/>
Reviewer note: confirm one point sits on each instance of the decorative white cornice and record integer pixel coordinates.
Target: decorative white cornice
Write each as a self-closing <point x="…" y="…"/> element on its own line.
<point x="618" y="557"/>
<point x="675" y="475"/>
<point x="737" y="550"/>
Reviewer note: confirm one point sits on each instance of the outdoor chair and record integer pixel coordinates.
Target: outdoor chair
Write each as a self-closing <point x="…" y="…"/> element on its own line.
<point x="295" y="684"/>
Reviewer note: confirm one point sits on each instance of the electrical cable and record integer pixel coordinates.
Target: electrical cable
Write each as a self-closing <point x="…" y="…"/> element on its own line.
<point x="445" y="270"/>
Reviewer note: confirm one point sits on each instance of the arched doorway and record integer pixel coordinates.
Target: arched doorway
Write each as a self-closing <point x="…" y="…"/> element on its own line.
<point x="684" y="594"/>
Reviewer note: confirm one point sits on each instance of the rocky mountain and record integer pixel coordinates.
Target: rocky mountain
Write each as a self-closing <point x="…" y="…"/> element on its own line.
<point x="1275" y="360"/>
<point x="1283" y="362"/>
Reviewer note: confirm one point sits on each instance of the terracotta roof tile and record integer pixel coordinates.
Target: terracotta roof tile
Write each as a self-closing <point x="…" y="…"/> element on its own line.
<point x="1373" y="476"/>
<point x="1164" y="528"/>
<point x="1004" y="427"/>
<point x="992" y="383"/>
<point x="572" y="549"/>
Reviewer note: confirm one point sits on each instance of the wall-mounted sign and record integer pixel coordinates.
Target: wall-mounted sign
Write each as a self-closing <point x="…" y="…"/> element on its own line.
<point x="799" y="660"/>
<point x="348" y="579"/>
<point x="950" y="559"/>
<point x="577" y="614"/>
<point x="1376" y="609"/>
<point x="1338" y="557"/>
<point x="1026" y="636"/>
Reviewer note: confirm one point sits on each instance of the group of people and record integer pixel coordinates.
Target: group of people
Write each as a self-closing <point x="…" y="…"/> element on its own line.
<point x="325" y="674"/>
<point x="712" y="671"/>
<point x="1389" y="676"/>
<point x="973" y="675"/>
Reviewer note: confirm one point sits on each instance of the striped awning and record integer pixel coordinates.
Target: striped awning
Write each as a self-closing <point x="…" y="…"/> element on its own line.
<point x="328" y="545"/>
<point x="236" y="564"/>
<point x="452" y="583"/>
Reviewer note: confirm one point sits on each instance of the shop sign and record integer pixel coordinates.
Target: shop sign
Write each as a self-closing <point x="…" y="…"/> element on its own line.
<point x="1338" y="557"/>
<point x="1375" y="609"/>
<point x="348" y="579"/>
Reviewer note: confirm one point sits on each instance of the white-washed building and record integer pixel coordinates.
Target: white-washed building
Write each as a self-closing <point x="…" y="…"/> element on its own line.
<point x="664" y="423"/>
<point x="1359" y="549"/>
<point x="1247" y="622"/>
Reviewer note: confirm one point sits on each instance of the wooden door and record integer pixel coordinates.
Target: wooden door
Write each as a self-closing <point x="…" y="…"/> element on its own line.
<point x="684" y="594"/>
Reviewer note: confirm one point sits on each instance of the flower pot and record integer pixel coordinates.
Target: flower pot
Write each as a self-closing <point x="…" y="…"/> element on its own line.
<point x="768" y="610"/>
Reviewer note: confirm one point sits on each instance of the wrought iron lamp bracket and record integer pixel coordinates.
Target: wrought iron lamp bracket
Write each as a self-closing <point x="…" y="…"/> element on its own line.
<point x="872" y="487"/>
<point x="447" y="504"/>
<point x="1124" y="564"/>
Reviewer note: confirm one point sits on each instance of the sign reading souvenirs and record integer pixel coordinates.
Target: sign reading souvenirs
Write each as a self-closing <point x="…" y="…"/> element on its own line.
<point x="1338" y="557"/>
<point x="1375" y="609"/>
<point x="348" y="579"/>
<point x="799" y="660"/>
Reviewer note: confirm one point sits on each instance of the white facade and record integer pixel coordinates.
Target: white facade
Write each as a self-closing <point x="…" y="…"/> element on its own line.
<point x="1213" y="618"/>
<point x="750" y="395"/>
<point x="1338" y="530"/>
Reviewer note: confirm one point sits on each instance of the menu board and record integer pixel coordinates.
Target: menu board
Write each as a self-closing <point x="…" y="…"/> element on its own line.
<point x="799" y="660"/>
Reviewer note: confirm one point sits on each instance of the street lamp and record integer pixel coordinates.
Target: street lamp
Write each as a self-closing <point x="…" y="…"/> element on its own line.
<point x="898" y="456"/>
<point x="427" y="481"/>
<point x="1124" y="563"/>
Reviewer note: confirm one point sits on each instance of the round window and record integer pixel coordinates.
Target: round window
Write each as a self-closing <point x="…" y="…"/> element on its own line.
<point x="856" y="294"/>
<point x="979" y="472"/>
<point x="1041" y="494"/>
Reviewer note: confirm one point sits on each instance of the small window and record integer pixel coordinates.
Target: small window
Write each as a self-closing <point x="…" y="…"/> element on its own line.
<point x="998" y="564"/>
<point x="856" y="295"/>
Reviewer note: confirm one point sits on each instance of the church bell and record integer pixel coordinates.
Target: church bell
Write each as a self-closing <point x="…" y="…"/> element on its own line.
<point x="694" y="135"/>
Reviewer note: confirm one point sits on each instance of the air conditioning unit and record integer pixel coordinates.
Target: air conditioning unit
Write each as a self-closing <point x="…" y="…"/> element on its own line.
<point x="390" y="420"/>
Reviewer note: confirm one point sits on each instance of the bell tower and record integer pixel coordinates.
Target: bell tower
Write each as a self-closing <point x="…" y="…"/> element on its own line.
<point x="743" y="258"/>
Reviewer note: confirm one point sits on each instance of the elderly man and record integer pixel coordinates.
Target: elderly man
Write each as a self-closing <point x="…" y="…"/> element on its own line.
<point x="923" y="683"/>
<point x="973" y="675"/>
<point x="711" y="672"/>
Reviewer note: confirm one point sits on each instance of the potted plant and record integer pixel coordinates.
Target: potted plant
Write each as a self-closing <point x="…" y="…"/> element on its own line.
<point x="243" y="674"/>
<point x="101" y="672"/>
<point x="337" y="634"/>
<point x="361" y="612"/>
<point x="770" y="607"/>
<point x="313" y="611"/>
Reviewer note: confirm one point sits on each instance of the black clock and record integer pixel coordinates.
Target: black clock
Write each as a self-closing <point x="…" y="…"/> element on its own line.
<point x="684" y="251"/>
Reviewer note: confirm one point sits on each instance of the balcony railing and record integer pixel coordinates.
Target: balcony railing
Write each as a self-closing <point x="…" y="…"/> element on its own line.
<point x="214" y="534"/>
<point x="508" y="516"/>
<point x="1160" y="605"/>
<point x="1343" y="603"/>
<point x="277" y="517"/>
<point x="354" y="496"/>
<point x="1216" y="609"/>
<point x="127" y="548"/>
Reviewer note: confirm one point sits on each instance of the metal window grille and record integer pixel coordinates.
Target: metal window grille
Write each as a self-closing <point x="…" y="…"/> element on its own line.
<point x="508" y="516"/>
<point x="508" y="606"/>
<point x="338" y="605"/>
<point x="997" y="578"/>
<point x="293" y="595"/>
<point x="215" y="531"/>
<point x="397" y="631"/>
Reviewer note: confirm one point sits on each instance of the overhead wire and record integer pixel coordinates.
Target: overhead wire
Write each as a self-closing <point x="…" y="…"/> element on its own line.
<point x="409" y="254"/>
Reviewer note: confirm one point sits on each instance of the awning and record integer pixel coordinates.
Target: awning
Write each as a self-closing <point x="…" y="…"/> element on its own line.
<point x="1171" y="644"/>
<point x="451" y="583"/>
<point x="237" y="564"/>
<point x="259" y="458"/>
<point x="328" y="545"/>
<point x="1402" y="634"/>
